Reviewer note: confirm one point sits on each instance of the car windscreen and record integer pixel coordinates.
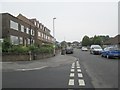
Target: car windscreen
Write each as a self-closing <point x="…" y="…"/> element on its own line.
<point x="97" y="47"/>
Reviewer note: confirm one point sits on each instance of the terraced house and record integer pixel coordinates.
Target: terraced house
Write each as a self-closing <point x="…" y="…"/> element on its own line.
<point x="24" y="31"/>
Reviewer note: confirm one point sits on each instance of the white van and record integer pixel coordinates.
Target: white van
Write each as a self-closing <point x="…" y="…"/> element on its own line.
<point x="95" y="49"/>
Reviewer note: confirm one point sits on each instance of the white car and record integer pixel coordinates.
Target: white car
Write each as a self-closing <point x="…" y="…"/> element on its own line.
<point x="84" y="49"/>
<point x="95" y="49"/>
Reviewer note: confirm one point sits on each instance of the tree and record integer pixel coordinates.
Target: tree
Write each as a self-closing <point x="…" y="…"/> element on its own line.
<point x="85" y="41"/>
<point x="97" y="40"/>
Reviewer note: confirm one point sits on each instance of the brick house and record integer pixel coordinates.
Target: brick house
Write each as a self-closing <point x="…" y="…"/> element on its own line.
<point x="24" y="31"/>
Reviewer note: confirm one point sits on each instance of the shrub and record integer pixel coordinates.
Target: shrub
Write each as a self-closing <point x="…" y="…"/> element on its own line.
<point x="19" y="49"/>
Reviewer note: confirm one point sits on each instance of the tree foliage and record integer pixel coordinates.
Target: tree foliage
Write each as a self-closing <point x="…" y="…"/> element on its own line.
<point x="98" y="40"/>
<point x="86" y="41"/>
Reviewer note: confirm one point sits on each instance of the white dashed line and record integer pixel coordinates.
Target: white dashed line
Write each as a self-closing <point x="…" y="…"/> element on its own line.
<point x="81" y="82"/>
<point x="72" y="74"/>
<point x="78" y="67"/>
<point x="75" y="66"/>
<point x="80" y="75"/>
<point x="72" y="70"/>
<point x="71" y="82"/>
<point x="72" y="67"/>
<point x="78" y="70"/>
<point x="31" y="69"/>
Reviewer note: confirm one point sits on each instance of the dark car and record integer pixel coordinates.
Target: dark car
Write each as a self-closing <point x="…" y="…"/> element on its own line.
<point x="69" y="50"/>
<point x="111" y="52"/>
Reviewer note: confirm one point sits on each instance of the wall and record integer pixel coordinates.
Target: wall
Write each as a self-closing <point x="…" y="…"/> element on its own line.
<point x="24" y="57"/>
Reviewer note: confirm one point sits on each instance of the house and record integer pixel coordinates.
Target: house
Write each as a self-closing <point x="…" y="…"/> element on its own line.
<point x="113" y="41"/>
<point x="23" y="31"/>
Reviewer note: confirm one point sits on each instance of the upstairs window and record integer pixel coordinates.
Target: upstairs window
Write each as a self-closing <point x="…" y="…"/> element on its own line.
<point x="13" y="25"/>
<point x="22" y="28"/>
<point x="27" y="30"/>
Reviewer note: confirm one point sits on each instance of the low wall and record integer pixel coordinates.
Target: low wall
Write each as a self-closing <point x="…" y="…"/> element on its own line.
<point x="24" y="57"/>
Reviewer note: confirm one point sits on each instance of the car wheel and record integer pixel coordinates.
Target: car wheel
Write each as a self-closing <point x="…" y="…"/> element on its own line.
<point x="102" y="55"/>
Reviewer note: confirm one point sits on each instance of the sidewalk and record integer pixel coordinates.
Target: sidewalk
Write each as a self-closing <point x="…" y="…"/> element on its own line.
<point x="37" y="64"/>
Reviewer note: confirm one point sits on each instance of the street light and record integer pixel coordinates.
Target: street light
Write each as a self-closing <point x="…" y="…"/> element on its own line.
<point x="54" y="36"/>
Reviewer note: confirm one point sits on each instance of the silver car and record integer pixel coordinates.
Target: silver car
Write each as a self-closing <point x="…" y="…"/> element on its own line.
<point x="95" y="49"/>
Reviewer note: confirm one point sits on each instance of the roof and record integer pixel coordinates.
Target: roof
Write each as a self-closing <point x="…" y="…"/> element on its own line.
<point x="23" y="18"/>
<point x="114" y="40"/>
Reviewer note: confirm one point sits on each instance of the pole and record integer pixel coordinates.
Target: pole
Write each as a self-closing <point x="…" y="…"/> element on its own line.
<point x="54" y="37"/>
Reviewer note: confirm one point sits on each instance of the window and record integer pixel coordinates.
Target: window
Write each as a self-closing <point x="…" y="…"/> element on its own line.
<point x="42" y="35"/>
<point x="14" y="40"/>
<point x="21" y="40"/>
<point x="41" y="26"/>
<point x="35" y="23"/>
<point x="28" y="41"/>
<point x="22" y="28"/>
<point x="27" y="30"/>
<point x="38" y="25"/>
<point x="32" y="32"/>
<point x="39" y="34"/>
<point x="13" y="25"/>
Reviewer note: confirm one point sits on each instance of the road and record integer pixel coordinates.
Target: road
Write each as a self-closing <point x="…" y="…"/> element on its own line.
<point x="87" y="71"/>
<point x="102" y="71"/>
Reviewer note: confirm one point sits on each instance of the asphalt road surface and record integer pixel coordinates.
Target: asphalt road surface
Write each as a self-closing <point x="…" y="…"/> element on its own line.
<point x="102" y="71"/>
<point x="88" y="71"/>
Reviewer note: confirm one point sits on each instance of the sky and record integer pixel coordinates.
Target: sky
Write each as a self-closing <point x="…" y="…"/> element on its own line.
<point x="73" y="20"/>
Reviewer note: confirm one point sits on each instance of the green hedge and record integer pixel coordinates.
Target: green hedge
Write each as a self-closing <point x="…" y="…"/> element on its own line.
<point x="33" y="49"/>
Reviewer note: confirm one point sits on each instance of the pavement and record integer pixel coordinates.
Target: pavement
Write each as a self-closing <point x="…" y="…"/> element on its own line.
<point x="37" y="64"/>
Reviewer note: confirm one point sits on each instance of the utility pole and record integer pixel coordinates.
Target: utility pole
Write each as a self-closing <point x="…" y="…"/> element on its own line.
<point x="54" y="36"/>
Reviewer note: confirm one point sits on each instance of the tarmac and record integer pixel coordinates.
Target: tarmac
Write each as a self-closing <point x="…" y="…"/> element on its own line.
<point x="37" y="64"/>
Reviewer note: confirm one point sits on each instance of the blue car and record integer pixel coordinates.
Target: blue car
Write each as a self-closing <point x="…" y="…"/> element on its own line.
<point x="111" y="52"/>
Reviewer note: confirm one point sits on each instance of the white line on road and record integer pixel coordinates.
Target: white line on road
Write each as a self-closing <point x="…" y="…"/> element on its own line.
<point x="81" y="82"/>
<point x="72" y="67"/>
<point x="80" y="75"/>
<point x="72" y="74"/>
<point x="71" y="82"/>
<point x="72" y="70"/>
<point x="31" y="69"/>
<point x="78" y="67"/>
<point x="73" y="64"/>
<point x="79" y="70"/>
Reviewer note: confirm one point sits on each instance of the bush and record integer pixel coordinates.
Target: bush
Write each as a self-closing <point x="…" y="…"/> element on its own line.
<point x="23" y="49"/>
<point x="19" y="49"/>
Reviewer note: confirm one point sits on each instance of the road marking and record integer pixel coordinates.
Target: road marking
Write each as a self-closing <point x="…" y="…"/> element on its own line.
<point x="71" y="82"/>
<point x="72" y="74"/>
<point x="31" y="69"/>
<point x="81" y="82"/>
<point x="72" y="70"/>
<point x="72" y="67"/>
<point x="73" y="64"/>
<point x="78" y="67"/>
<point x="78" y="70"/>
<point x="80" y="75"/>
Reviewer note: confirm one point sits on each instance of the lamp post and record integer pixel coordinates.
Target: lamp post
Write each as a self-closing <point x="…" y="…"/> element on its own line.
<point x="54" y="36"/>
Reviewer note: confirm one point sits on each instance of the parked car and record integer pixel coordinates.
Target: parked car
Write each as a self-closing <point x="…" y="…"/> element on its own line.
<point x="95" y="49"/>
<point x="69" y="50"/>
<point x="84" y="49"/>
<point x="111" y="52"/>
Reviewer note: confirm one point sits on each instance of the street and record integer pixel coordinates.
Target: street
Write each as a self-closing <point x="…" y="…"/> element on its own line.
<point x="87" y="71"/>
<point x="103" y="72"/>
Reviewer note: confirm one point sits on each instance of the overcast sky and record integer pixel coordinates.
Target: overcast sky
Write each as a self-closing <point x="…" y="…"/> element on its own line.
<point x="73" y="19"/>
